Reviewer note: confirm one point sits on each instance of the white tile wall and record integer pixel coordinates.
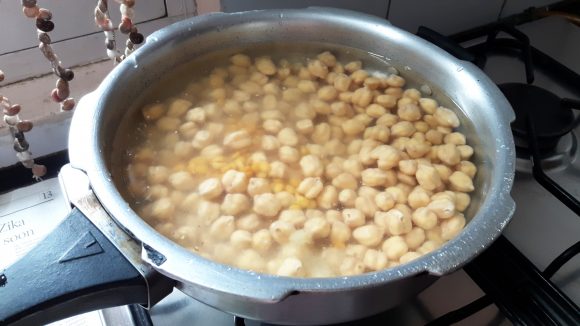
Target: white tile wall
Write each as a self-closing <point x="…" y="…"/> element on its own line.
<point x="444" y="16"/>
<point x="373" y="7"/>
<point x="517" y="6"/>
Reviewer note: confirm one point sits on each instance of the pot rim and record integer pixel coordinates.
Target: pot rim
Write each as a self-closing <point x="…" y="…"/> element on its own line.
<point x="493" y="215"/>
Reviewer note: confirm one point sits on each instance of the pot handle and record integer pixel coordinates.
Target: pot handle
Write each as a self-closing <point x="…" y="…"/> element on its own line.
<point x="75" y="269"/>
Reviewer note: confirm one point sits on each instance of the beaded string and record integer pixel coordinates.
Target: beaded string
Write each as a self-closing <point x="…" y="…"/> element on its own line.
<point x="17" y="129"/>
<point x="126" y="26"/>
<point x="44" y="24"/>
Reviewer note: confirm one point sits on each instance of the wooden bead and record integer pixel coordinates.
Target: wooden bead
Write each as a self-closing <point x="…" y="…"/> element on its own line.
<point x="46" y="49"/>
<point x="38" y="170"/>
<point x="136" y="38"/>
<point x="24" y="125"/>
<point x="28" y="3"/>
<point x="30" y="12"/>
<point x="12" y="110"/>
<point x="44" y="25"/>
<point x="54" y="96"/>
<point x="44" y="38"/>
<point x="68" y="104"/>
<point x="44" y="14"/>
<point x="125" y="25"/>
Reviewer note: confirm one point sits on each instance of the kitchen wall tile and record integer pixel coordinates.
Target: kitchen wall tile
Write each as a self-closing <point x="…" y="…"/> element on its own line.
<point x="444" y="16"/>
<point x="373" y="7"/>
<point x="517" y="6"/>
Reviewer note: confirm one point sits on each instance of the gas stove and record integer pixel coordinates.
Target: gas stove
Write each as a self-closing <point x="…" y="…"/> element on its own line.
<point x="504" y="285"/>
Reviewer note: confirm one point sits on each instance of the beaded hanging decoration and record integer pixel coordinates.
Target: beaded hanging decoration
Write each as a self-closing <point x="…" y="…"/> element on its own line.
<point x="17" y="129"/>
<point x="44" y="25"/>
<point x="126" y="26"/>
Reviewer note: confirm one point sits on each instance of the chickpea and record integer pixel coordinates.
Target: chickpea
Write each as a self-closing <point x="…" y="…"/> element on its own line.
<point x="318" y="227"/>
<point x="270" y="143"/>
<point x="162" y="209"/>
<point x="428" y="177"/>
<point x="403" y="129"/>
<point x="428" y="246"/>
<point x="281" y="231"/>
<point x="359" y="76"/>
<point x="351" y="266"/>
<point x="451" y="227"/>
<point x="415" y="238"/>
<point x="395" y="247"/>
<point x="446" y="118"/>
<point x="304" y="126"/>
<point x="249" y="222"/>
<point x="428" y="105"/>
<point x="345" y="181"/>
<point x="157" y="191"/>
<point x="311" y="166"/>
<point x="449" y="154"/>
<point x="411" y="255"/>
<point x="395" y="81"/>
<point x="286" y="199"/>
<point x="266" y="204"/>
<point x="366" y="205"/>
<point x="265" y="66"/>
<point x="408" y="111"/>
<point x="353" y="127"/>
<point x="251" y="260"/>
<point x="418" y="197"/>
<point x="384" y="201"/>
<point x="462" y="201"/>
<point x="241" y="60"/>
<point x="210" y="188"/>
<point x="465" y="151"/>
<point x="288" y="154"/>
<point x="455" y="138"/>
<point x="258" y="186"/>
<point x="347" y="197"/>
<point x="182" y="181"/>
<point x="211" y="151"/>
<point x="153" y="111"/>
<point x="294" y="217"/>
<point x="157" y="174"/>
<point x="278" y="170"/>
<point x="434" y="234"/>
<point x="272" y="126"/>
<point x="353" y="217"/>
<point x="369" y="235"/>
<point x="434" y="137"/>
<point x="444" y="171"/>
<point x="416" y="148"/>
<point x="467" y="167"/>
<point x="328" y="198"/>
<point x="291" y="267"/>
<point x="262" y="240"/>
<point x="310" y="187"/>
<point x="461" y="182"/>
<point x="234" y="181"/>
<point x="222" y="227"/>
<point x="398" y="194"/>
<point x="374" y="177"/>
<point x="304" y="111"/>
<point x="444" y="130"/>
<point x="444" y="208"/>
<point x="375" y="260"/>
<point x="388" y="157"/>
<point x="321" y="133"/>
<point x="408" y="167"/>
<point x="168" y="123"/>
<point x="208" y="211"/>
<point x="327" y="93"/>
<point x="398" y="221"/>
<point x="379" y="133"/>
<point x="353" y="66"/>
<point x="362" y="97"/>
<point x="387" y="120"/>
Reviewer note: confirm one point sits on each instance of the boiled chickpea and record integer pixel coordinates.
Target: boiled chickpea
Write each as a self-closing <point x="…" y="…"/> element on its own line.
<point x="327" y="93"/>
<point x="353" y="217"/>
<point x="222" y="227"/>
<point x="294" y="217"/>
<point x="266" y="204"/>
<point x="446" y="117"/>
<point x="353" y="127"/>
<point x="278" y="170"/>
<point x="304" y="126"/>
<point x="251" y="260"/>
<point x="462" y="201"/>
<point x="395" y="247"/>
<point x="234" y="181"/>
<point x="397" y="193"/>
<point x="321" y="133"/>
<point x="265" y="66"/>
<point x="379" y="133"/>
<point x="398" y="222"/>
<point x="465" y="151"/>
<point x="444" y="208"/>
<point x="408" y="111"/>
<point x="210" y="188"/>
<point x="449" y="154"/>
<point x="369" y="235"/>
<point x="428" y="177"/>
<point x="444" y="171"/>
<point x="351" y="266"/>
<point x="451" y="227"/>
<point x="288" y="154"/>
<point x="345" y="181"/>
<point x="428" y="105"/>
<point x="182" y="181"/>
<point x="281" y="231"/>
<point x="374" y="177"/>
<point x="318" y="227"/>
<point x="262" y="240"/>
<point x="403" y="129"/>
<point x="362" y="97"/>
<point x="461" y="182"/>
<point x="388" y="156"/>
<point x="411" y="255"/>
<point x="418" y="197"/>
<point x="272" y="126"/>
<point x="310" y="187"/>
<point x="311" y="166"/>
<point x="328" y="198"/>
<point x="467" y="167"/>
<point x="415" y="238"/>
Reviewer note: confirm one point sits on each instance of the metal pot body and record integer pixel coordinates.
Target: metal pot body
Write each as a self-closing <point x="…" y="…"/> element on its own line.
<point x="485" y="116"/>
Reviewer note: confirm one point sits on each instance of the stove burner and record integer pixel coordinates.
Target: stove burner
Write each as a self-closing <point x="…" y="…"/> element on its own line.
<point x="552" y="118"/>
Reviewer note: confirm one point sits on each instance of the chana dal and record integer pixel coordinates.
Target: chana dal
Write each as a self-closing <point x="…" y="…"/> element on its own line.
<point x="302" y="168"/>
